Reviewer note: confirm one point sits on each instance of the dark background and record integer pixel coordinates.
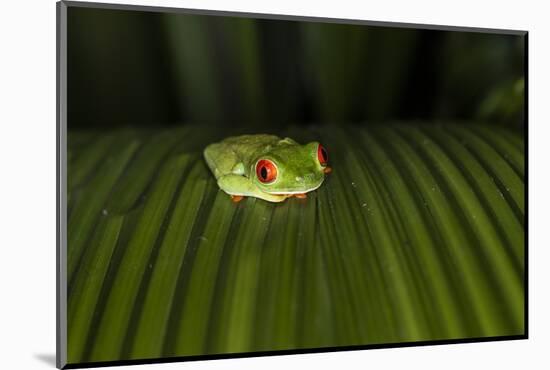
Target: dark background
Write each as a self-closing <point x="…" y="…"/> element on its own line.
<point x="145" y="68"/>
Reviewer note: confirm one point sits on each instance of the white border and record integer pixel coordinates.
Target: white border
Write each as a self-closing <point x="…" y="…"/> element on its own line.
<point x="27" y="152"/>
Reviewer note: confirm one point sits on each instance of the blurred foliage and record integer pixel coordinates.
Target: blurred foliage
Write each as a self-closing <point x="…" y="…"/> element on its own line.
<point x="504" y="103"/>
<point x="132" y="67"/>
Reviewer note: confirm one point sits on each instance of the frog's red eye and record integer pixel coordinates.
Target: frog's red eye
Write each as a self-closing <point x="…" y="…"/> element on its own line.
<point x="322" y="155"/>
<point x="266" y="171"/>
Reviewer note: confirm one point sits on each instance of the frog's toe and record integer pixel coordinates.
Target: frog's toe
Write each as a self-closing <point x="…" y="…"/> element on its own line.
<point x="301" y="196"/>
<point x="236" y="198"/>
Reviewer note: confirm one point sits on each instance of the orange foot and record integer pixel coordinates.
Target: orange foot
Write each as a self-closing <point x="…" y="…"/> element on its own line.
<point x="236" y="198"/>
<point x="301" y="196"/>
<point x="327" y="170"/>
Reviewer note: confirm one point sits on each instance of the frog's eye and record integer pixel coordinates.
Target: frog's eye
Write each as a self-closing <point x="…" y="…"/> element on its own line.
<point x="322" y="155"/>
<point x="266" y="171"/>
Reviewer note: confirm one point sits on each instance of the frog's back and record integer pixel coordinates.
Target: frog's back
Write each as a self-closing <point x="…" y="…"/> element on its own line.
<point x="222" y="157"/>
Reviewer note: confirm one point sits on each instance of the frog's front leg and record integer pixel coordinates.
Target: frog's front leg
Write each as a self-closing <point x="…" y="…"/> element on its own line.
<point x="240" y="186"/>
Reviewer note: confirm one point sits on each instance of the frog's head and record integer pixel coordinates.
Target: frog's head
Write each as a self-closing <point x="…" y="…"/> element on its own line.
<point x="291" y="169"/>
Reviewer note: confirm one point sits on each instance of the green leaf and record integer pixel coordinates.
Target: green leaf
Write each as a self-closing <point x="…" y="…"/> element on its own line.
<point x="418" y="234"/>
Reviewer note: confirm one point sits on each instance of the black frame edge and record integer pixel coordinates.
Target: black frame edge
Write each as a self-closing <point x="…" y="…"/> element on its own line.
<point x="61" y="171"/>
<point x="288" y="17"/>
<point x="526" y="181"/>
<point x="291" y="352"/>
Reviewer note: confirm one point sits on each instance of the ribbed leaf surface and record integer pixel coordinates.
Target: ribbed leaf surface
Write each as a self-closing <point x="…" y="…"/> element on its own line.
<point x="418" y="234"/>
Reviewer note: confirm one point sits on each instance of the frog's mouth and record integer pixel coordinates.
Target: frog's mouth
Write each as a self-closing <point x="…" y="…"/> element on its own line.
<point x="295" y="191"/>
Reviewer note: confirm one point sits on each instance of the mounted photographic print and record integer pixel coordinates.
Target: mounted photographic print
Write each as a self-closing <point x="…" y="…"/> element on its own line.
<point x="237" y="184"/>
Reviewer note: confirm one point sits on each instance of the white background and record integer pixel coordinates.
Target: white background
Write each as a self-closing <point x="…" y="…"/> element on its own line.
<point x="27" y="182"/>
